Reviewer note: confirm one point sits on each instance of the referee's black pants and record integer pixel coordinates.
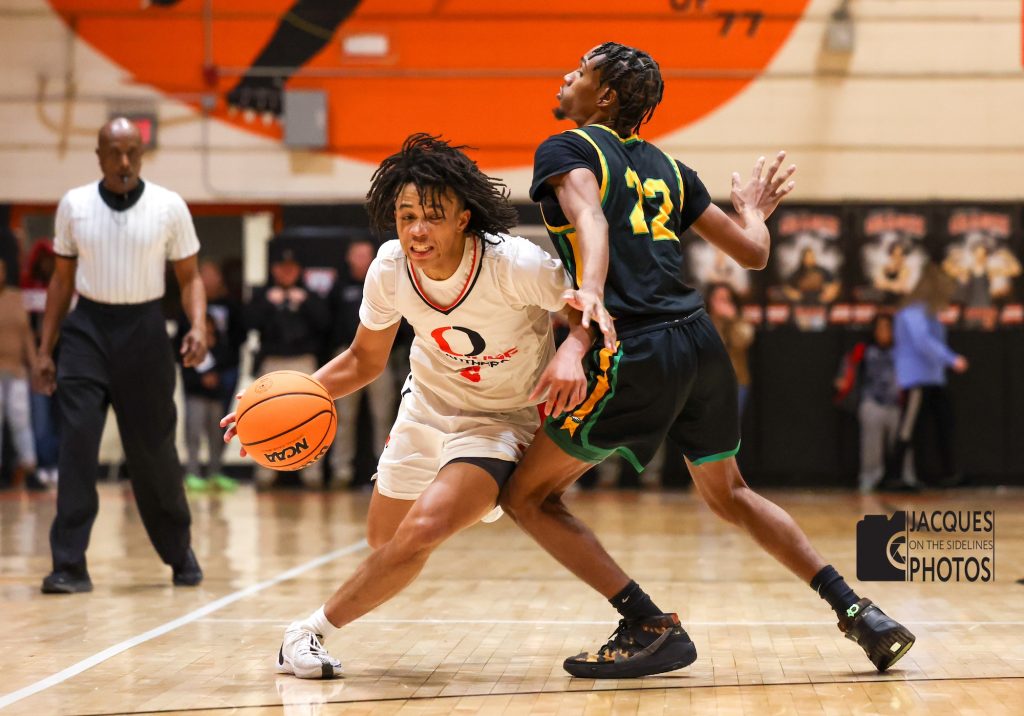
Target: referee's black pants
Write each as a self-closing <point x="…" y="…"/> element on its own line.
<point x="118" y="355"/>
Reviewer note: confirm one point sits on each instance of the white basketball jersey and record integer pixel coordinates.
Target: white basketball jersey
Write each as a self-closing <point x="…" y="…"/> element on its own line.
<point x="485" y="350"/>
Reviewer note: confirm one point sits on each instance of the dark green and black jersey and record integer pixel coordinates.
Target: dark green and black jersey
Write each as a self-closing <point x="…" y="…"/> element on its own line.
<point x="649" y="200"/>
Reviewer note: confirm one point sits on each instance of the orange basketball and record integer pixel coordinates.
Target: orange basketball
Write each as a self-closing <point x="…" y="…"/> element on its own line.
<point x="286" y="420"/>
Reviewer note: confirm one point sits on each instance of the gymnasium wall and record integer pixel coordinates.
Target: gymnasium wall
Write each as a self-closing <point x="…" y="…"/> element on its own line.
<point x="925" y="105"/>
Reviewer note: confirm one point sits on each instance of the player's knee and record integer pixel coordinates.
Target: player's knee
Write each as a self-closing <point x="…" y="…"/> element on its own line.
<point x="522" y="507"/>
<point x="727" y="502"/>
<point x="421" y="534"/>
<point x="377" y="538"/>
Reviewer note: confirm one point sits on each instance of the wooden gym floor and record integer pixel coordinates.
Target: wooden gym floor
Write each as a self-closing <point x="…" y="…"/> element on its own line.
<point x="484" y="629"/>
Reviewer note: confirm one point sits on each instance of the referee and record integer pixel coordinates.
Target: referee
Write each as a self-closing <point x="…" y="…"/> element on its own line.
<point x="112" y="240"/>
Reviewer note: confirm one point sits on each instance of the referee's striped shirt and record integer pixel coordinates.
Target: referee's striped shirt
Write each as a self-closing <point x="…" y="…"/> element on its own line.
<point x="121" y="253"/>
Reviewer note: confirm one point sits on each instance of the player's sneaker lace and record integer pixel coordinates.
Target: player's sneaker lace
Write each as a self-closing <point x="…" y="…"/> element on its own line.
<point x="882" y="638"/>
<point x="637" y="648"/>
<point x="303" y="655"/>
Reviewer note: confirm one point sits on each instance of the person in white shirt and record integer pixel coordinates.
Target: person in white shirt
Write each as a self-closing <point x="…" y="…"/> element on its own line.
<point x="112" y="241"/>
<point x="479" y="302"/>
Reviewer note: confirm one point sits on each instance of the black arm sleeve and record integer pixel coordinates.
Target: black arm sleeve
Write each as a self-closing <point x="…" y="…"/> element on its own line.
<point x="559" y="154"/>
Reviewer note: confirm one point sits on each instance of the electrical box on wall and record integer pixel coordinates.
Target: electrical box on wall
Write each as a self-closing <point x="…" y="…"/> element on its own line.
<point x="305" y="119"/>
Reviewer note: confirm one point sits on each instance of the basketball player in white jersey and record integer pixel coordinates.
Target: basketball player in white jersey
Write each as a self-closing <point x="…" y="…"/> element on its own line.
<point x="483" y="356"/>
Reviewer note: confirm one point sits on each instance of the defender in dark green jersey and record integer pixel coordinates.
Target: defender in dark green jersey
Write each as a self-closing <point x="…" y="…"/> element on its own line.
<point x="615" y="207"/>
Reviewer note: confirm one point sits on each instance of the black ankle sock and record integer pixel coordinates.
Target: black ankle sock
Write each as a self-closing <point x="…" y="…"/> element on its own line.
<point x="831" y="587"/>
<point x="633" y="603"/>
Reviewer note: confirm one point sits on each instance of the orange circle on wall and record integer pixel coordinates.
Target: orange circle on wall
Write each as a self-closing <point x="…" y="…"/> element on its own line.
<point x="482" y="74"/>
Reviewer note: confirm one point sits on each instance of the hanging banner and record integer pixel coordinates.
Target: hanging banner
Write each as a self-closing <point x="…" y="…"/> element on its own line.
<point x="889" y="252"/>
<point x="980" y="249"/>
<point x="804" y="278"/>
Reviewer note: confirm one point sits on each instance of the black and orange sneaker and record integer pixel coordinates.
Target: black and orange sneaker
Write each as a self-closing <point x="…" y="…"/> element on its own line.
<point x="882" y="638"/>
<point x="637" y="648"/>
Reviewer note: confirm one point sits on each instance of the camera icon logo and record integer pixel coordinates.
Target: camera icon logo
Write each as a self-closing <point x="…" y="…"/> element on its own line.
<point x="882" y="548"/>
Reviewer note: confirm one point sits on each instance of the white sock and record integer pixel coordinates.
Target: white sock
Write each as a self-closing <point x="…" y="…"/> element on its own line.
<point x="318" y="623"/>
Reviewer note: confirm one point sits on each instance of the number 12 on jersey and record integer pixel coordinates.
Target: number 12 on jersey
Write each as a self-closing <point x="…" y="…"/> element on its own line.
<point x="650" y="189"/>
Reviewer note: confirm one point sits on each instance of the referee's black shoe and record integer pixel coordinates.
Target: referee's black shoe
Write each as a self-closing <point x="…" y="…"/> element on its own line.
<point x="188" y="573"/>
<point x="882" y="638"/>
<point x="640" y="647"/>
<point x="61" y="581"/>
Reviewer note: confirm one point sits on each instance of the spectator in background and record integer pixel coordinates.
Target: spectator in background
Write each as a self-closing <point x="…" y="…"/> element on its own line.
<point x="229" y="324"/>
<point x="17" y="353"/>
<point x="867" y="380"/>
<point x="345" y="299"/>
<point x="292" y="322"/>
<point x="922" y="357"/>
<point x="737" y="334"/>
<point x="204" y="386"/>
<point x="45" y="425"/>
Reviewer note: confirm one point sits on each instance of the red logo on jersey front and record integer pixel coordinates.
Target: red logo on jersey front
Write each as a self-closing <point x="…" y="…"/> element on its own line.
<point x="467" y="346"/>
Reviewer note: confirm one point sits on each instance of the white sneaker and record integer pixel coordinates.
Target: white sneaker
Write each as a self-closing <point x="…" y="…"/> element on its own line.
<point x="303" y="655"/>
<point x="493" y="516"/>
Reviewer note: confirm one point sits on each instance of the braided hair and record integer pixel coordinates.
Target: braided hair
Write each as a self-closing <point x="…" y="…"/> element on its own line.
<point x="435" y="166"/>
<point x="636" y="79"/>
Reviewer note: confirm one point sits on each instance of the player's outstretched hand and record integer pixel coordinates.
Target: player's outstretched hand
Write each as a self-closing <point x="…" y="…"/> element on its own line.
<point x="230" y="431"/>
<point x="592" y="307"/>
<point x="763" y="193"/>
<point x="565" y="384"/>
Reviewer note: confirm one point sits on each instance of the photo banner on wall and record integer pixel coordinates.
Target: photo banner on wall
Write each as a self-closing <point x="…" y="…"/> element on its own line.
<point x="979" y="248"/>
<point x="804" y="284"/>
<point x="704" y="265"/>
<point x="888" y="250"/>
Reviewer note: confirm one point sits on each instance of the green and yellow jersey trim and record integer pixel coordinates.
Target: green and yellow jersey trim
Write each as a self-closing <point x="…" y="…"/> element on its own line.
<point x="564" y="239"/>
<point x="604" y="163"/>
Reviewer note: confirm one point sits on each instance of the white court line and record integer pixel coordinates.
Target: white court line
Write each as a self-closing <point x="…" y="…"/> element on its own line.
<point x="567" y="622"/>
<point x="196" y="615"/>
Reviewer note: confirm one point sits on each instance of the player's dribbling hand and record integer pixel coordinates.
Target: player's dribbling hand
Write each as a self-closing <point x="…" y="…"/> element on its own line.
<point x="592" y="307"/>
<point x="228" y="423"/>
<point x="564" y="382"/>
<point x="763" y="193"/>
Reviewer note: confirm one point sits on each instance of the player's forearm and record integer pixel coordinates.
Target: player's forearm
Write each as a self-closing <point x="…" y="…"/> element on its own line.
<point x="346" y="373"/>
<point x="58" y="300"/>
<point x="758" y="238"/>
<point x="592" y="234"/>
<point x="579" y="340"/>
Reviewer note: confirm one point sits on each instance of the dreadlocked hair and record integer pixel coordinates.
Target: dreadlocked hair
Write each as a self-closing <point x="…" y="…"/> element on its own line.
<point x="435" y="166"/>
<point x="636" y="79"/>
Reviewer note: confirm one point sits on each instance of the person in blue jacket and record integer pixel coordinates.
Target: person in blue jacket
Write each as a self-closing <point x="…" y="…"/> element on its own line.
<point x="922" y="357"/>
